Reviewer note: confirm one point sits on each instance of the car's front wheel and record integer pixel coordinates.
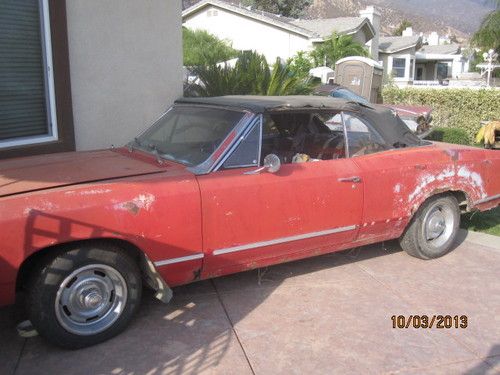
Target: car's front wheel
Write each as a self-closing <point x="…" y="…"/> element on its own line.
<point x="433" y="229"/>
<point x="84" y="296"/>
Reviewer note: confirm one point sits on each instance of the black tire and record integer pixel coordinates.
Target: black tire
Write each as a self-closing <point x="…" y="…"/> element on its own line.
<point x="97" y="270"/>
<point x="417" y="239"/>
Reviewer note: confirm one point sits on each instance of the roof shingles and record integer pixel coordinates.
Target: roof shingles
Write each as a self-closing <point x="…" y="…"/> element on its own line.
<point x="390" y="44"/>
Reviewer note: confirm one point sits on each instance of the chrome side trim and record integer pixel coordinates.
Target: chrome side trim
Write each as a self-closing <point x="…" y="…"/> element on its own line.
<point x="283" y="240"/>
<point x="488" y="199"/>
<point x="178" y="260"/>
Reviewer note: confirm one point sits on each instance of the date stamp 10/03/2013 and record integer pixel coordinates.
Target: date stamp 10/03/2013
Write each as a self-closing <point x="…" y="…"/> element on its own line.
<point x="430" y="321"/>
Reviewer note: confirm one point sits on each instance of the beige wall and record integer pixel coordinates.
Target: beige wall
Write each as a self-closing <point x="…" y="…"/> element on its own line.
<point x="126" y="66"/>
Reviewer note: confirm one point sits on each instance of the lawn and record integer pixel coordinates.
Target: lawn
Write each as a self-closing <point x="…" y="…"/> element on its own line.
<point x="486" y="222"/>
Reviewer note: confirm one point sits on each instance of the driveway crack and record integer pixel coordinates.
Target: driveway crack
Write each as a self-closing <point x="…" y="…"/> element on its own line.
<point x="19" y="357"/>
<point x="232" y="327"/>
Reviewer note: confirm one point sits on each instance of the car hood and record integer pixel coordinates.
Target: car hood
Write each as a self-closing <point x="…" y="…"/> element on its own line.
<point x="34" y="173"/>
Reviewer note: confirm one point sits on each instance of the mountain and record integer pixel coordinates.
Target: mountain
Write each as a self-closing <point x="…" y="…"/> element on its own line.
<point x="458" y="17"/>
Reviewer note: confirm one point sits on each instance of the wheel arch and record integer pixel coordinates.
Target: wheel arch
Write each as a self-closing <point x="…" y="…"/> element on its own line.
<point x="148" y="271"/>
<point x="462" y="197"/>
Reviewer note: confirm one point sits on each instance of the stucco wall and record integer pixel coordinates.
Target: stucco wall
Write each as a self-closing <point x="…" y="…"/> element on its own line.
<point x="248" y="34"/>
<point x="126" y="66"/>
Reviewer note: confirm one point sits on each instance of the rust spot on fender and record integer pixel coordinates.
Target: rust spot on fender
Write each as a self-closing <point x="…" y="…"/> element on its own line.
<point x="453" y="154"/>
<point x="142" y="201"/>
<point x="131" y="207"/>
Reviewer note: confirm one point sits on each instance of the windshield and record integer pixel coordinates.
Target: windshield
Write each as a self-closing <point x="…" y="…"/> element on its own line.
<point x="188" y="135"/>
<point x="349" y="95"/>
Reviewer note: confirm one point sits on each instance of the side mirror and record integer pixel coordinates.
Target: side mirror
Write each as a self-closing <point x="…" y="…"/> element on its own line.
<point x="272" y="164"/>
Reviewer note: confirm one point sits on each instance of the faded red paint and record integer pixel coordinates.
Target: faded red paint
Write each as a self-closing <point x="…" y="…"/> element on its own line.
<point x="168" y="212"/>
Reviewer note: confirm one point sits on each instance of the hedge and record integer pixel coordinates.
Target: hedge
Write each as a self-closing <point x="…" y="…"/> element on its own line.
<point x="449" y="135"/>
<point x="452" y="108"/>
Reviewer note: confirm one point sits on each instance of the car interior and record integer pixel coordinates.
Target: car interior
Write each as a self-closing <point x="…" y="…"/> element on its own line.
<point x="297" y="137"/>
<point x="300" y="137"/>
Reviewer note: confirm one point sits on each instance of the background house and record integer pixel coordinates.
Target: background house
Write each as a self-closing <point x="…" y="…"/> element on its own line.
<point x="85" y="74"/>
<point x="397" y="54"/>
<point x="419" y="59"/>
<point x="270" y="34"/>
<point x="439" y="62"/>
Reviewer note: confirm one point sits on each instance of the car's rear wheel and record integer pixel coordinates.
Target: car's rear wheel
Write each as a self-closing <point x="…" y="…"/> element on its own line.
<point x="433" y="229"/>
<point x="84" y="296"/>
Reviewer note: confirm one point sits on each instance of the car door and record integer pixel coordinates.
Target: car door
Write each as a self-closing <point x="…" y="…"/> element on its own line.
<point x="253" y="219"/>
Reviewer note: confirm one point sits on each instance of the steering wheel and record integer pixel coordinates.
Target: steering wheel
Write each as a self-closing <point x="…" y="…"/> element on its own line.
<point x="337" y="152"/>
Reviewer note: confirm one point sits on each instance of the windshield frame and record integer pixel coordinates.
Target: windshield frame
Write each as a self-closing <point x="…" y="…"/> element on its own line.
<point x="209" y="164"/>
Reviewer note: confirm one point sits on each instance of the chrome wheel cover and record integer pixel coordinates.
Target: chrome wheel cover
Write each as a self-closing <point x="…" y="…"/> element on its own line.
<point x="91" y="299"/>
<point x="438" y="224"/>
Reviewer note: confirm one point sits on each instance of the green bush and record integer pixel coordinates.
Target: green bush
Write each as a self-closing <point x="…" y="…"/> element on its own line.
<point x="202" y="48"/>
<point x="451" y="108"/>
<point x="449" y="135"/>
<point x="251" y="75"/>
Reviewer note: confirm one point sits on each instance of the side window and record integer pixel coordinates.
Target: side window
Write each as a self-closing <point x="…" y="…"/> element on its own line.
<point x="362" y="139"/>
<point x="247" y="152"/>
<point x="298" y="137"/>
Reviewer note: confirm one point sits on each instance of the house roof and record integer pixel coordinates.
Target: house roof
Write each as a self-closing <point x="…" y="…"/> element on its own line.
<point x="445" y="49"/>
<point x="317" y="28"/>
<point x="323" y="28"/>
<point x="392" y="44"/>
<point x="270" y="18"/>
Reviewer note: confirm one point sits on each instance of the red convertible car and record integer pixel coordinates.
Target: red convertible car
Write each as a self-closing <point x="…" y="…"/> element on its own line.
<point x="217" y="186"/>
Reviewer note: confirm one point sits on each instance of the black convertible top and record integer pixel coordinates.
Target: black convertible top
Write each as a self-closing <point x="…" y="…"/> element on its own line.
<point x="386" y="122"/>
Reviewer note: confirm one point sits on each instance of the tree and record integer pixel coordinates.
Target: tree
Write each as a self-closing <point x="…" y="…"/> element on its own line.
<point x="251" y="75"/>
<point x="488" y="34"/>
<point x="402" y="27"/>
<point x="300" y="64"/>
<point x="287" y="8"/>
<point x="336" y="48"/>
<point x="203" y="48"/>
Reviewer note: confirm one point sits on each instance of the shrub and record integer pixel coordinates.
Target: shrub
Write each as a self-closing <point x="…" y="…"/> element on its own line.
<point x="300" y="64"/>
<point x="452" y="108"/>
<point x="203" y="48"/>
<point x="251" y="75"/>
<point x="449" y="135"/>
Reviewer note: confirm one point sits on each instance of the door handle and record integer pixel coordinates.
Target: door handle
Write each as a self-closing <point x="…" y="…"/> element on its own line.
<point x="355" y="179"/>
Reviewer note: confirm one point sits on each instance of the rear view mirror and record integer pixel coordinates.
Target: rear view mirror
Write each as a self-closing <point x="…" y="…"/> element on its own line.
<point x="272" y="164"/>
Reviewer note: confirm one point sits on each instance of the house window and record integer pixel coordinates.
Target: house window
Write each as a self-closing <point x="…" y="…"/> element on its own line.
<point x="442" y="71"/>
<point x="27" y="99"/>
<point x="398" y="67"/>
<point x="212" y="13"/>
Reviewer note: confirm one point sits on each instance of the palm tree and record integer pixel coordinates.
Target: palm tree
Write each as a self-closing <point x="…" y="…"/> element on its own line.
<point x="488" y="35"/>
<point x="284" y="82"/>
<point x="336" y="48"/>
<point x="251" y="75"/>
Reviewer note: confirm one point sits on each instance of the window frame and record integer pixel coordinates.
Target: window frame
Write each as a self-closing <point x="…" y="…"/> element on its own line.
<point x="255" y="126"/>
<point x="367" y="124"/>
<point x="397" y="69"/>
<point x="50" y="96"/>
<point x="256" y="121"/>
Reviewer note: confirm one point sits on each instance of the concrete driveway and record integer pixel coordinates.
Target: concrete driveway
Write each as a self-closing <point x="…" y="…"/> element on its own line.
<point x="325" y="315"/>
